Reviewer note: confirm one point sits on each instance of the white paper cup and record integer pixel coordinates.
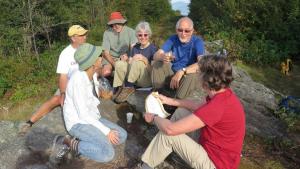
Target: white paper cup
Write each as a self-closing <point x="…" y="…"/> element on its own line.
<point x="129" y="116"/>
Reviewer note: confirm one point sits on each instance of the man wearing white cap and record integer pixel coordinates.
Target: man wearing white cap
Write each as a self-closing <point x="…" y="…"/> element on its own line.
<point x="65" y="67"/>
<point x="117" y="42"/>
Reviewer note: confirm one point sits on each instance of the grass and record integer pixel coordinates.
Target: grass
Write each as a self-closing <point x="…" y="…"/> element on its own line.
<point x="274" y="79"/>
<point x="258" y="154"/>
<point x="14" y="108"/>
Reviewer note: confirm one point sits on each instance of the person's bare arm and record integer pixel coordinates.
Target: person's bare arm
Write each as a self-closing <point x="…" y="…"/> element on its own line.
<point x="62" y="84"/>
<point x="109" y="58"/>
<point x="159" y="55"/>
<point x="175" y="81"/>
<point x="185" y="125"/>
<point x="193" y="68"/>
<point x="191" y="105"/>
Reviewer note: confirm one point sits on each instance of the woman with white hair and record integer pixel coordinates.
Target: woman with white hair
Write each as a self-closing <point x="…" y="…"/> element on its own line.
<point x="136" y="70"/>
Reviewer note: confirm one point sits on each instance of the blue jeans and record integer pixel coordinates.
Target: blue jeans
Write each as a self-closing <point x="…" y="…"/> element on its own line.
<point x="93" y="144"/>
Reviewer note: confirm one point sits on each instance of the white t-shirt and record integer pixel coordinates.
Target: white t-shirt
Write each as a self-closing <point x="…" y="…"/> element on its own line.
<point x="66" y="62"/>
<point x="80" y="104"/>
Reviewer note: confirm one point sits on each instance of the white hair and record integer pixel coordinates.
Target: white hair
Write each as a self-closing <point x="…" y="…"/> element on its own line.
<point x="185" y="18"/>
<point x="143" y="25"/>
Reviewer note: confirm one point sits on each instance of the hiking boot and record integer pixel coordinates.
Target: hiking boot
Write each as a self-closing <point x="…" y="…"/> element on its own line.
<point x="116" y="92"/>
<point x="142" y="166"/>
<point x="125" y="92"/>
<point x="24" y="128"/>
<point x="59" y="150"/>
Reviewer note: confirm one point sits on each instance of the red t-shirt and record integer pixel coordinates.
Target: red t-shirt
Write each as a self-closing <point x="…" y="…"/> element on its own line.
<point x="224" y="131"/>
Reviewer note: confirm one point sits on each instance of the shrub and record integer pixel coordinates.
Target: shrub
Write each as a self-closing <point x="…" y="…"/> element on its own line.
<point x="4" y="86"/>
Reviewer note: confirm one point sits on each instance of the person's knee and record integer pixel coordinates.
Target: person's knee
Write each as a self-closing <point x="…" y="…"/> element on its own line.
<point x="137" y="63"/>
<point x="157" y="64"/>
<point x="106" y="155"/>
<point x="106" y="71"/>
<point x="180" y="113"/>
<point x="121" y="66"/>
<point x="55" y="100"/>
<point x="122" y="135"/>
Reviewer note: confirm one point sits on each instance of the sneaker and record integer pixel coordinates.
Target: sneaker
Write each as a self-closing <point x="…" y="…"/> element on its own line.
<point x="59" y="150"/>
<point x="116" y="92"/>
<point x="23" y="129"/>
<point x="125" y="92"/>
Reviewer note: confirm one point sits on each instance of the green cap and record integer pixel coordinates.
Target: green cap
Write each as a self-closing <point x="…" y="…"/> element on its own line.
<point x="86" y="55"/>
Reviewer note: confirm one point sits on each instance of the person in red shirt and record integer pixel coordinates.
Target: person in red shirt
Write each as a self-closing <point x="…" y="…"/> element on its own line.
<point x="220" y="118"/>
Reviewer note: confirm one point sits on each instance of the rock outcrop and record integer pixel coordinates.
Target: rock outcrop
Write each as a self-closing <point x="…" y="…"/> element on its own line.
<point x="32" y="151"/>
<point x="258" y="100"/>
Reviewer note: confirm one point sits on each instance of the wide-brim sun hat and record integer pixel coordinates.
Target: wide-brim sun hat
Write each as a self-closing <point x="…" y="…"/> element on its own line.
<point x="76" y="30"/>
<point x="86" y="55"/>
<point x="116" y="17"/>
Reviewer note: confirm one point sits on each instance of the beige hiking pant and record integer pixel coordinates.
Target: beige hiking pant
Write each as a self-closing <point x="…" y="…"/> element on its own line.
<point x="186" y="146"/>
<point x="189" y="150"/>
<point x="161" y="77"/>
<point x="136" y="72"/>
<point x="181" y="113"/>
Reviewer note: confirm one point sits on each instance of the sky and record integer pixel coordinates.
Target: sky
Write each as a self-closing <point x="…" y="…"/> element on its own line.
<point x="182" y="7"/>
<point x="187" y="1"/>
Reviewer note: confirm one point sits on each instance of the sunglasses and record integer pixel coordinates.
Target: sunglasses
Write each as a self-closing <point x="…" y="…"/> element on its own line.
<point x="184" y="30"/>
<point x="141" y="35"/>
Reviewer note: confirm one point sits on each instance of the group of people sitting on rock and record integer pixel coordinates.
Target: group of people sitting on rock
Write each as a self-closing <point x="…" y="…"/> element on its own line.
<point x="133" y="61"/>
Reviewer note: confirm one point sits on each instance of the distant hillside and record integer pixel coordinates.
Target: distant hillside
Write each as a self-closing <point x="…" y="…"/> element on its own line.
<point x="182" y="7"/>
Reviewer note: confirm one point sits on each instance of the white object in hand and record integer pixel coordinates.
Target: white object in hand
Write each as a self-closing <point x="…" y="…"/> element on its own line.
<point x="129" y="116"/>
<point x="154" y="105"/>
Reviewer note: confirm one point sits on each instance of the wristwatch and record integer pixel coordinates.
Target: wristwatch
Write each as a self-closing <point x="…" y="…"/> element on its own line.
<point x="184" y="70"/>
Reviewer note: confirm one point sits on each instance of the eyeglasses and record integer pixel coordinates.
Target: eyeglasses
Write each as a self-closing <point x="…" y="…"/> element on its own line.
<point x="141" y="35"/>
<point x="184" y="30"/>
<point x="116" y="24"/>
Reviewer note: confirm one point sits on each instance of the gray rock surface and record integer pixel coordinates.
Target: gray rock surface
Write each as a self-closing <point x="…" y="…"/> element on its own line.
<point x="258" y="100"/>
<point x="32" y="151"/>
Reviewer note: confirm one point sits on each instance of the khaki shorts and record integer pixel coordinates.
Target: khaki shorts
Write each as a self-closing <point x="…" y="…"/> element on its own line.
<point x="105" y="62"/>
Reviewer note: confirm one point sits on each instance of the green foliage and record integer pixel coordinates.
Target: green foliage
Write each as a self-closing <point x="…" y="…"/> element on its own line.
<point x="290" y="118"/>
<point x="95" y="35"/>
<point x="25" y="77"/>
<point x="4" y="86"/>
<point x="33" y="25"/>
<point x="24" y="92"/>
<point x="26" y="24"/>
<point x="261" y="52"/>
<point x="266" y="32"/>
<point x="269" y="164"/>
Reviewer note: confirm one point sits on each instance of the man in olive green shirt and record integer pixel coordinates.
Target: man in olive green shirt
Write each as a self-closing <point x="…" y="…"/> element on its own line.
<point x="117" y="42"/>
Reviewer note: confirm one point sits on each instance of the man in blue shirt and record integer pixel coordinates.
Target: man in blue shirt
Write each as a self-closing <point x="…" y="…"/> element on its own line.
<point x="176" y="62"/>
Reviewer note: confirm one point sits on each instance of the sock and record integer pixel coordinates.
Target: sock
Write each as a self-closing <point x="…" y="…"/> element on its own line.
<point x="74" y="145"/>
<point x="116" y="89"/>
<point x="129" y="84"/>
<point x="30" y="123"/>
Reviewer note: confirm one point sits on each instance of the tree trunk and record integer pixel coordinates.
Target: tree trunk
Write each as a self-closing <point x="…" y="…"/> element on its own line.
<point x="30" y="10"/>
<point x="48" y="39"/>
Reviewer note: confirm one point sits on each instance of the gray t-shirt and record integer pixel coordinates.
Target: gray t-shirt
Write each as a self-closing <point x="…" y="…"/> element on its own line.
<point x="119" y="43"/>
